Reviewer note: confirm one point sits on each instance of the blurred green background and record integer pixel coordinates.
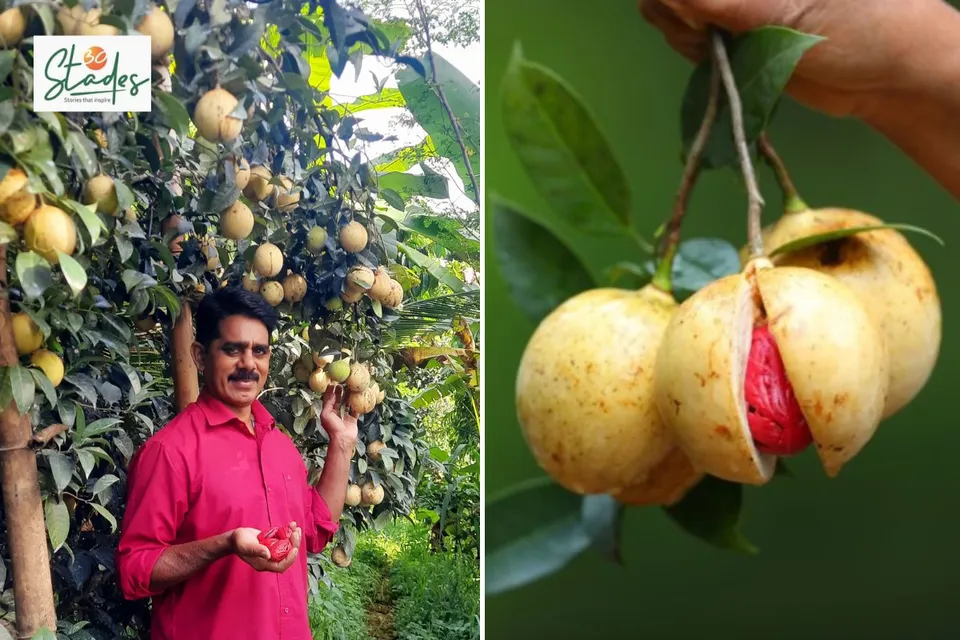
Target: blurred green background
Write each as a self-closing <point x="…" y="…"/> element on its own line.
<point x="871" y="554"/>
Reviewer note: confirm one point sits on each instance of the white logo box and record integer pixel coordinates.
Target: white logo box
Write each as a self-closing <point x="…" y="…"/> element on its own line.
<point x="92" y="73"/>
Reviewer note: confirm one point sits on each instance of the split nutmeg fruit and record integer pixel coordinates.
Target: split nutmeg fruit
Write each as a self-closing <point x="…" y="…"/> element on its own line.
<point x="762" y="363"/>
<point x="585" y="399"/>
<point x="888" y="275"/>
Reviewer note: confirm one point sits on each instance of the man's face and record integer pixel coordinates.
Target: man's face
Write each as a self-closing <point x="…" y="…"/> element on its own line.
<point x="235" y="366"/>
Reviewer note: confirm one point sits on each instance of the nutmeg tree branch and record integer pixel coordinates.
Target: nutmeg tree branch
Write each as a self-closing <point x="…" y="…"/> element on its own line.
<point x="662" y="279"/>
<point x="792" y="202"/>
<point x="754" y="199"/>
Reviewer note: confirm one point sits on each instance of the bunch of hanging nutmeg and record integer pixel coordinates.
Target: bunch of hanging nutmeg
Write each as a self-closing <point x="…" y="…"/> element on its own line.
<point x="832" y="325"/>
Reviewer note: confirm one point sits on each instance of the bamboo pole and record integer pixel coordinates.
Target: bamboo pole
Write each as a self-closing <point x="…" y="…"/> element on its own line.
<point x="26" y="529"/>
<point x="186" y="384"/>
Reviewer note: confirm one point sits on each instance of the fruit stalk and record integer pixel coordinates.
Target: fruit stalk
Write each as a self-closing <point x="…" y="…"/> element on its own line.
<point x="22" y="505"/>
<point x="662" y="278"/>
<point x="792" y="202"/>
<point x="754" y="199"/>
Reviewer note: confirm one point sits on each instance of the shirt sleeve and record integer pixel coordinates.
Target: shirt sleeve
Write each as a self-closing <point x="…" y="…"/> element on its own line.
<point x="156" y="504"/>
<point x="321" y="528"/>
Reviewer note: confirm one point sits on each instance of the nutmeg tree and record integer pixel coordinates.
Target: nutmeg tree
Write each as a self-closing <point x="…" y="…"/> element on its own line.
<point x="113" y="225"/>
<point x="673" y="382"/>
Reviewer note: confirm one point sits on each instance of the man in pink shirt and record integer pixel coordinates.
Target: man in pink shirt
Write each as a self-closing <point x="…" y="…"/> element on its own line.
<point x="204" y="486"/>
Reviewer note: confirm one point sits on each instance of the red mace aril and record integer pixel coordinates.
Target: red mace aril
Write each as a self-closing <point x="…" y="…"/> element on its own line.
<point x="773" y="413"/>
<point x="277" y="540"/>
<point x="735" y="398"/>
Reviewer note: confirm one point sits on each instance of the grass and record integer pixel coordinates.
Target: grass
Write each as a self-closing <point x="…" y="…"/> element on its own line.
<point x="397" y="589"/>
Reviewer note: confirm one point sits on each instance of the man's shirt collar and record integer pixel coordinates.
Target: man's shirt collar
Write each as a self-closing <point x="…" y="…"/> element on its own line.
<point x="217" y="413"/>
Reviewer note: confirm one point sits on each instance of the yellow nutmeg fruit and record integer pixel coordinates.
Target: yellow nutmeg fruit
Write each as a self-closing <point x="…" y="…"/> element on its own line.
<point x="586" y="404"/>
<point x="26" y="334"/>
<point x="212" y="116"/>
<point x="102" y="191"/>
<point x="890" y="278"/>
<point x="158" y="25"/>
<point x="48" y="230"/>
<point x="50" y="363"/>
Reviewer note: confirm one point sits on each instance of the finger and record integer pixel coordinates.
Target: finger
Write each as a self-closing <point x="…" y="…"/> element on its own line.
<point x="736" y="15"/>
<point x="329" y="396"/>
<point x="690" y="43"/>
<point x="681" y="13"/>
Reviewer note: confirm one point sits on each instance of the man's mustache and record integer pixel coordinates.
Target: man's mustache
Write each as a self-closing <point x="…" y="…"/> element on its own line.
<point x="243" y="376"/>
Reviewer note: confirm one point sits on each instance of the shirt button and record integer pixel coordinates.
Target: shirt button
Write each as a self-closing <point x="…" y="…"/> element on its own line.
<point x="288" y="476"/>
<point x="286" y="609"/>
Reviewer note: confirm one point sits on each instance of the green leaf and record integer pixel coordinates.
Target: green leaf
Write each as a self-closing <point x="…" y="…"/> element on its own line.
<point x="84" y="150"/>
<point x="61" y="466"/>
<point x="109" y="517"/>
<point x="7" y="233"/>
<point x="562" y="149"/>
<point x="540" y="271"/>
<point x="435" y="269"/>
<point x="837" y="234"/>
<point x="700" y="261"/>
<point x="463" y="97"/>
<point x="41" y="380"/>
<point x="34" y="273"/>
<point x="174" y="111"/>
<point x="533" y="530"/>
<point x="393" y="199"/>
<point x="409" y="185"/>
<point x="88" y="215"/>
<point x="103" y="482"/>
<point x="6" y="64"/>
<point x="22" y="387"/>
<point x="58" y="521"/>
<point x="711" y="511"/>
<point x="74" y="273"/>
<point x="762" y="61"/>
<point x="603" y="521"/>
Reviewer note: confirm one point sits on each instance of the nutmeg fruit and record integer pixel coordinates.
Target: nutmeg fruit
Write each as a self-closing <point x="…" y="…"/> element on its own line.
<point x="585" y="400"/>
<point x="889" y="276"/>
<point x="835" y="367"/>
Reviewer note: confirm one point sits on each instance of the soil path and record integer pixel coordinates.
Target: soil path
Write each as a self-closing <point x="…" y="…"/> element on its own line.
<point x="380" y="610"/>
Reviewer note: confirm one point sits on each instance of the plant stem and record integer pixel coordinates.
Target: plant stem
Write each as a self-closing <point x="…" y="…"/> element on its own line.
<point x="754" y="199"/>
<point x="446" y="105"/>
<point x="662" y="279"/>
<point x="792" y="202"/>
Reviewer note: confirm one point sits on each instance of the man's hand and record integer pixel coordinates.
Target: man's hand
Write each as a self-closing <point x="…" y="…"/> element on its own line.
<point x="246" y="545"/>
<point x="863" y="56"/>
<point x="342" y="430"/>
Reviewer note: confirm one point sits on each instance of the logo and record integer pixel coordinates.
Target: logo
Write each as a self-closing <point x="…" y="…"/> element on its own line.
<point x="92" y="73"/>
<point x="95" y="58"/>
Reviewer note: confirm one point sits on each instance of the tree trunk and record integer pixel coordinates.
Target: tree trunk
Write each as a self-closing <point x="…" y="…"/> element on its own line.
<point x="186" y="384"/>
<point x="23" y="508"/>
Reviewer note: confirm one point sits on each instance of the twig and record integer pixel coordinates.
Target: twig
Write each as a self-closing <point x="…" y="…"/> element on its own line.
<point x="47" y="434"/>
<point x="446" y="105"/>
<point x="792" y="202"/>
<point x="663" y="277"/>
<point x="754" y="199"/>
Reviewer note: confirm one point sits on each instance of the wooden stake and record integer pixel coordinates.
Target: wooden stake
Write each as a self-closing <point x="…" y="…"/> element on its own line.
<point x="186" y="384"/>
<point x="23" y="508"/>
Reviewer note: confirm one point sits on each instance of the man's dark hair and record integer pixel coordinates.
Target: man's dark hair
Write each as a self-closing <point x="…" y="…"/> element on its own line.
<point x="231" y="301"/>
